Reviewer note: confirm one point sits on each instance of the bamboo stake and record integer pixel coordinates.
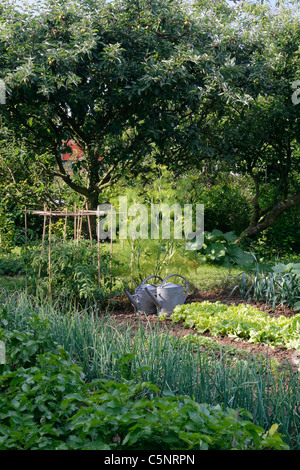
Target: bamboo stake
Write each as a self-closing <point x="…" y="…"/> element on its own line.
<point x="65" y="228"/>
<point x="25" y="219"/>
<point x="111" y="231"/>
<point x="98" y="255"/>
<point x="80" y="223"/>
<point x="72" y="213"/>
<point x="43" y="242"/>
<point x="75" y="222"/>
<point x="89" y="225"/>
<point x="111" y="242"/>
<point x="131" y="263"/>
<point x="77" y="226"/>
<point x="49" y="257"/>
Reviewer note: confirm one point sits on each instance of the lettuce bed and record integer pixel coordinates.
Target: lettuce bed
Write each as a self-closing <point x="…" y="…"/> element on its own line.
<point x="240" y="321"/>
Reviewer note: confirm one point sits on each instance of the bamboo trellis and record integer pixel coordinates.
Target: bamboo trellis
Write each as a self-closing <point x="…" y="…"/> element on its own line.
<point x="78" y="215"/>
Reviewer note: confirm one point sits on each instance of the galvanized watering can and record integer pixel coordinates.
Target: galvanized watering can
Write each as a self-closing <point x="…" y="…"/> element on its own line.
<point x="168" y="295"/>
<point x="141" y="300"/>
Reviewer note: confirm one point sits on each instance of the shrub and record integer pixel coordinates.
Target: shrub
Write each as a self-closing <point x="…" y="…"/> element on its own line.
<point x="12" y="266"/>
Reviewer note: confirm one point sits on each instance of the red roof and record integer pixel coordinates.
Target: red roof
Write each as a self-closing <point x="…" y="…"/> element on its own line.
<point x="76" y="151"/>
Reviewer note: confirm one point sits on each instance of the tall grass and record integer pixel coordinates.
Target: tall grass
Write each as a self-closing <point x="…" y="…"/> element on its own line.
<point x="99" y="344"/>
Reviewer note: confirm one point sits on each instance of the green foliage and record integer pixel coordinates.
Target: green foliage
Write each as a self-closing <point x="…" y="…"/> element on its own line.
<point x="199" y="368"/>
<point x="226" y="208"/>
<point x="151" y="55"/>
<point x="47" y="405"/>
<point x="257" y="92"/>
<point x="240" y="321"/>
<point x="12" y="265"/>
<point x="220" y="248"/>
<point x="274" y="285"/>
<point x="170" y="423"/>
<point x="74" y="273"/>
<point x="225" y="196"/>
<point x="282" y="239"/>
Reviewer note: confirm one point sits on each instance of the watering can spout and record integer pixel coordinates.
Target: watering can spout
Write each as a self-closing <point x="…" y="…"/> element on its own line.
<point x="157" y="303"/>
<point x="135" y="304"/>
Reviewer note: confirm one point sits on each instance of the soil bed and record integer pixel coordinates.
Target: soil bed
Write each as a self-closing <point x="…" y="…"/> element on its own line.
<point x="126" y="315"/>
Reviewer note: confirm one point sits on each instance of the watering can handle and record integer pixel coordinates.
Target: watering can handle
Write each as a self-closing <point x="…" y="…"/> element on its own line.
<point x="150" y="278"/>
<point x="186" y="283"/>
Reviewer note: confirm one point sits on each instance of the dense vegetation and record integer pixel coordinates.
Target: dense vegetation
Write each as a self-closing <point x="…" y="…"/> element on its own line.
<point x="143" y="83"/>
<point x="171" y="103"/>
<point x="48" y="396"/>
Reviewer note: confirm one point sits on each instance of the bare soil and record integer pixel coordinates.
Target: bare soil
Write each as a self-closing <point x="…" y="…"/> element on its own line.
<point x="125" y="315"/>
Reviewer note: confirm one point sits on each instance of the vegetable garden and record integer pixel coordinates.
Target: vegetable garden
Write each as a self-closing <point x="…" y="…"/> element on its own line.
<point x="207" y="377"/>
<point x="162" y="104"/>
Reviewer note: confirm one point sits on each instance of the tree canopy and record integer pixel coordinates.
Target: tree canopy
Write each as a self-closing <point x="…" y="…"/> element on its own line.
<point x="257" y="132"/>
<point x="125" y="80"/>
<point x="178" y="82"/>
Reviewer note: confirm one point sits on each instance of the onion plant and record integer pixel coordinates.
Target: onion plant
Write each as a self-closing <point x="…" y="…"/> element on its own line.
<point x="193" y="367"/>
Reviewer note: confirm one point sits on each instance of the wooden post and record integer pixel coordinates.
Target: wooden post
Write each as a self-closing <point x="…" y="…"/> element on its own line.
<point x="77" y="226"/>
<point x="111" y="230"/>
<point x="43" y="242"/>
<point x="49" y="257"/>
<point x="80" y="224"/>
<point x="111" y="243"/>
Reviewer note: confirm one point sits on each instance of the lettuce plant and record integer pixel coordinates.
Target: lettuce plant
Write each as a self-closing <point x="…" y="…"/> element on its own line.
<point x="240" y="321"/>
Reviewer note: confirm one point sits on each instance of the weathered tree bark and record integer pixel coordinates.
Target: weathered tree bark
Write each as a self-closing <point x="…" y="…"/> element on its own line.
<point x="268" y="219"/>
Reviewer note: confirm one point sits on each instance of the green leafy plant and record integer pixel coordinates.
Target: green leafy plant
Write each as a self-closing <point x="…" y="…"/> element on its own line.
<point x="220" y="248"/>
<point x="199" y="368"/>
<point x="226" y="207"/>
<point x="274" y="285"/>
<point x="240" y="321"/>
<point x="11" y="265"/>
<point x="47" y="405"/>
<point x="74" y="273"/>
<point x="169" y="423"/>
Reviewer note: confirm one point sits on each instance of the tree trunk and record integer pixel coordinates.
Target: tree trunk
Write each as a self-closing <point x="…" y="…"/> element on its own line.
<point x="270" y="217"/>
